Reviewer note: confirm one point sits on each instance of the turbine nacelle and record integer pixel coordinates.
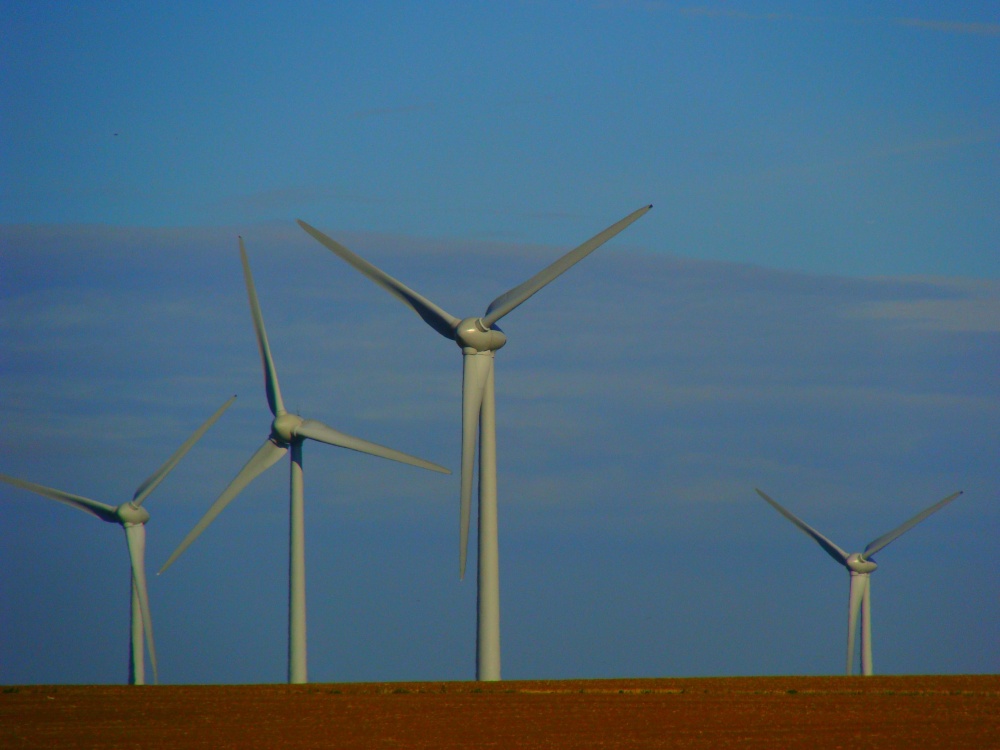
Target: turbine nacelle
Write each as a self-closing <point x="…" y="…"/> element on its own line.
<point x="130" y="515"/>
<point x="472" y="334"/>
<point x="856" y="563"/>
<point x="284" y="428"/>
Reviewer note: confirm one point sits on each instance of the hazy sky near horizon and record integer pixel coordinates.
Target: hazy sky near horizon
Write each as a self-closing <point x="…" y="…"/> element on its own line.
<point x="812" y="307"/>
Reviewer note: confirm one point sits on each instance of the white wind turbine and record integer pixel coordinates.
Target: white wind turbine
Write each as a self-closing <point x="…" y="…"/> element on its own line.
<point x="479" y="338"/>
<point x="132" y="517"/>
<point x="860" y="565"/>
<point x="288" y="432"/>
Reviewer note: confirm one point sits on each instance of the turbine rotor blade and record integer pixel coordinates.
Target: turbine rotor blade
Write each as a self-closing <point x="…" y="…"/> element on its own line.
<point x="270" y="375"/>
<point x="150" y="484"/>
<point x="94" y="508"/>
<point x="314" y="430"/>
<point x="265" y="457"/>
<point x="885" y="539"/>
<point x="511" y="299"/>
<point x="136" y="538"/>
<point x="831" y="549"/>
<point x="441" y="321"/>
<point x="858" y="585"/>
<point x="475" y="371"/>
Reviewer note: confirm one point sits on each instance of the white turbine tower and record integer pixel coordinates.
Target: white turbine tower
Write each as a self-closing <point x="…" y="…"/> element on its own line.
<point x="860" y="565"/>
<point x="288" y="432"/>
<point x="478" y="338"/>
<point x="132" y="517"/>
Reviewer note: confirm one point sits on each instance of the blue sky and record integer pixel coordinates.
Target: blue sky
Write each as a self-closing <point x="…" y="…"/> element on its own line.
<point x="812" y="307"/>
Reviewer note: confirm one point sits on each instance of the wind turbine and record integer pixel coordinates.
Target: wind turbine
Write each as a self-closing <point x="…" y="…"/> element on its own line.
<point x="479" y="338"/>
<point x="132" y="517"/>
<point x="288" y="432"/>
<point x="860" y="565"/>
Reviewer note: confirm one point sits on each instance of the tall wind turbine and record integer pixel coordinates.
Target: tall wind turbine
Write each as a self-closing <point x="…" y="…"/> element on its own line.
<point x="132" y="517"/>
<point x="288" y="432"/>
<point x="479" y="338"/>
<point x="860" y="565"/>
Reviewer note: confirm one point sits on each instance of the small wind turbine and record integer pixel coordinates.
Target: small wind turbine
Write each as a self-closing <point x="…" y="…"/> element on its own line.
<point x="288" y="432"/>
<point x="860" y="565"/>
<point x="479" y="338"/>
<point x="132" y="517"/>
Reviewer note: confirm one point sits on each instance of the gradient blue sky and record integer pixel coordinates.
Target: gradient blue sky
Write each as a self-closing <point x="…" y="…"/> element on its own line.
<point x="812" y="307"/>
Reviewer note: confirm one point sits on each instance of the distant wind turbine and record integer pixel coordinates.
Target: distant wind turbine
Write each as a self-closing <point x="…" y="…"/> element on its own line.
<point x="288" y="431"/>
<point x="132" y="517"/>
<point x="479" y="338"/>
<point x="860" y="565"/>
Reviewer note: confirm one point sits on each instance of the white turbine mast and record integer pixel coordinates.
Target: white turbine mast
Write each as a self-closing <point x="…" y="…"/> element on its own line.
<point x="132" y="517"/>
<point x="479" y="338"/>
<point x="288" y="432"/>
<point x="860" y="565"/>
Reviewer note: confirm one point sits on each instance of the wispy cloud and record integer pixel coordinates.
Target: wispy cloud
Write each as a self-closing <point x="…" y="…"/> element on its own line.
<point x="971" y="305"/>
<point x="952" y="27"/>
<point x="976" y="28"/>
<point x="707" y="12"/>
<point x="640" y="400"/>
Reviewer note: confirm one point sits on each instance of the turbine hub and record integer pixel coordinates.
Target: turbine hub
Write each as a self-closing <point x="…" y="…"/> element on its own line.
<point x="130" y="515"/>
<point x="856" y="564"/>
<point x="284" y="427"/>
<point x="472" y="334"/>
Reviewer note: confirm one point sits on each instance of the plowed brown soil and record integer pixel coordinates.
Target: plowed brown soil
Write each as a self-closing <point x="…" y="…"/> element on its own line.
<point x="754" y="712"/>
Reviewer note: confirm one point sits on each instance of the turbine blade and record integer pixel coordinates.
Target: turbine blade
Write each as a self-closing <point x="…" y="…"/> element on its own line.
<point x="831" y="549"/>
<point x="475" y="370"/>
<point x="94" y="508"/>
<point x="265" y="457"/>
<point x="150" y="484"/>
<point x="885" y="539"/>
<point x="136" y="538"/>
<point x="858" y="584"/>
<point x="511" y="299"/>
<point x="441" y="321"/>
<point x="318" y="431"/>
<point x="270" y="375"/>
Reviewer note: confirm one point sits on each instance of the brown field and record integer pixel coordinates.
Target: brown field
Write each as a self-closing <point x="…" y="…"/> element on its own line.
<point x="955" y="711"/>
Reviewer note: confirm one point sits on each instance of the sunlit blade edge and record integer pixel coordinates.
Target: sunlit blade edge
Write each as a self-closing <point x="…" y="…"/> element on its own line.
<point x="274" y="401"/>
<point x="441" y="321"/>
<point x="265" y="457"/>
<point x="94" y="508"/>
<point x="314" y="430"/>
<point x="153" y="481"/>
<point x="885" y="539"/>
<point x="829" y="547"/>
<point x="509" y="300"/>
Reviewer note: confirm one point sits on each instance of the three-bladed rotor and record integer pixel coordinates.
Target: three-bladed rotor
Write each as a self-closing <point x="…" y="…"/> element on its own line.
<point x="132" y="517"/>
<point x="286" y="429"/>
<point x="478" y="337"/>
<point x="860" y="565"/>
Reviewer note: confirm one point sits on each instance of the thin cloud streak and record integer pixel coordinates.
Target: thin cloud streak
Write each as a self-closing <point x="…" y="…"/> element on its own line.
<point x="952" y="27"/>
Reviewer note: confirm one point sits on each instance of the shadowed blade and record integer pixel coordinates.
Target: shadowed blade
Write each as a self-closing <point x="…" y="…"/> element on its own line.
<point x="150" y="484"/>
<point x="475" y="371"/>
<point x="441" y="321"/>
<point x="318" y="431"/>
<point x="509" y="300"/>
<point x="831" y="549"/>
<point x="270" y="376"/>
<point x="265" y="457"/>
<point x="94" y="508"/>
<point x="885" y="539"/>
<point x="136" y="538"/>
